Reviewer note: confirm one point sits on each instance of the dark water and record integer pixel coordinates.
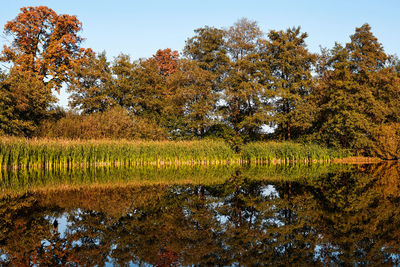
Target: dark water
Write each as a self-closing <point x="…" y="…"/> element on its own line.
<point x="226" y="216"/>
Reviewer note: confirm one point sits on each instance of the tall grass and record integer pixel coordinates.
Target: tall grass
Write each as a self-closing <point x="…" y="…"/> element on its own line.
<point x="55" y="153"/>
<point x="50" y="153"/>
<point x="286" y="152"/>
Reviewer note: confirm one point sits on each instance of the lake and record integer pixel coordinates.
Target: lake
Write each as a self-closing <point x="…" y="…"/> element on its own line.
<point x="277" y="215"/>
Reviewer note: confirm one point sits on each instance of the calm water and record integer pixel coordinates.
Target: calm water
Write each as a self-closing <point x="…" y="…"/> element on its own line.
<point x="319" y="215"/>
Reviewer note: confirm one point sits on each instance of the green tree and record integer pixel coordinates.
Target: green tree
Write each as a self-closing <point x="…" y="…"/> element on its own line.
<point x="194" y="87"/>
<point x="245" y="106"/>
<point x="149" y="92"/>
<point x="24" y="103"/>
<point x="91" y="87"/>
<point x="290" y="64"/>
<point x="358" y="91"/>
<point x="208" y="48"/>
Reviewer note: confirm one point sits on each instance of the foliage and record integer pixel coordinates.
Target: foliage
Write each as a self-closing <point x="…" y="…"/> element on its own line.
<point x="230" y="83"/>
<point x="357" y="92"/>
<point x="43" y="49"/>
<point x="290" y="65"/>
<point x="44" y="43"/>
<point x="167" y="61"/>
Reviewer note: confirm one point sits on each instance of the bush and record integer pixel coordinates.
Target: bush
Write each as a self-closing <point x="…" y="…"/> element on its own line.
<point x="387" y="141"/>
<point x="115" y="123"/>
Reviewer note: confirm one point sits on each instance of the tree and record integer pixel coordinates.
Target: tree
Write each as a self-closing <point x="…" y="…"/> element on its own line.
<point x="149" y="94"/>
<point x="123" y="86"/>
<point x="24" y="103"/>
<point x="167" y="61"/>
<point x="246" y="106"/>
<point x="208" y="48"/>
<point x="290" y="64"/>
<point x="357" y="92"/>
<point x="91" y="86"/>
<point x="44" y="43"/>
<point x="45" y="47"/>
<point x="193" y="87"/>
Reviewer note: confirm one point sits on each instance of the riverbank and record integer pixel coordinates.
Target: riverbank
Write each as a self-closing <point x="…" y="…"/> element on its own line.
<point x="358" y="160"/>
<point x="55" y="153"/>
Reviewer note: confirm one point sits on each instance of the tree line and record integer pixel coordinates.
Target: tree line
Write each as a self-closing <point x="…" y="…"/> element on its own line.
<point x="233" y="83"/>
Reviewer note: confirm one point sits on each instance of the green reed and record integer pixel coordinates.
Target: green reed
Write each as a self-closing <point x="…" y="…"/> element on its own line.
<point x="287" y="152"/>
<point x="51" y="153"/>
<point x="54" y="153"/>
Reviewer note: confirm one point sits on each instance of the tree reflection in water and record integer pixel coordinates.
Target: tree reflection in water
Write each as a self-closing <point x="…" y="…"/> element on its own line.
<point x="338" y="218"/>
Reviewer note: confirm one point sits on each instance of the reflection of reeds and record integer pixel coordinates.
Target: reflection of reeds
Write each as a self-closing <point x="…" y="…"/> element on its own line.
<point x="55" y="153"/>
<point x="60" y="179"/>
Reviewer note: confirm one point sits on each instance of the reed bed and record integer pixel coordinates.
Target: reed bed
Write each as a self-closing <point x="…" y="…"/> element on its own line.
<point x="20" y="153"/>
<point x="52" y="153"/>
<point x="289" y="152"/>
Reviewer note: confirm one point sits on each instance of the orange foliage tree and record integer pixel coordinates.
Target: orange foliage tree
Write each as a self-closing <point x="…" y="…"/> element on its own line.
<point x="167" y="61"/>
<point x="44" y="43"/>
<point x="44" y="49"/>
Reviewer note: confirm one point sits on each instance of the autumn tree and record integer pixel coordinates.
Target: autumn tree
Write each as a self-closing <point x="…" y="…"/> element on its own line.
<point x="167" y="61"/>
<point x="290" y="64"/>
<point x="44" y="43"/>
<point x="44" y="48"/>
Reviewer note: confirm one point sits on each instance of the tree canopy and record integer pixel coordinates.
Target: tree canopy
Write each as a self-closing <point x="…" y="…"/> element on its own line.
<point x="231" y="83"/>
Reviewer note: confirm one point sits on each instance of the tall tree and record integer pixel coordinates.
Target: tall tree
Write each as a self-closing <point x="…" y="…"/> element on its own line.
<point x="44" y="43"/>
<point x="44" y="48"/>
<point x="208" y="48"/>
<point x="246" y="107"/>
<point x="290" y="64"/>
<point x="193" y="87"/>
<point x="122" y="88"/>
<point x="357" y="93"/>
<point x="91" y="86"/>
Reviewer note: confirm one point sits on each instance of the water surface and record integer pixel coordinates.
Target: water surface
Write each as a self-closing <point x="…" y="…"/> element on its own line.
<point x="322" y="215"/>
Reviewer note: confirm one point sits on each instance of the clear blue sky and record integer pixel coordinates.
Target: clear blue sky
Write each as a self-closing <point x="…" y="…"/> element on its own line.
<point x="139" y="28"/>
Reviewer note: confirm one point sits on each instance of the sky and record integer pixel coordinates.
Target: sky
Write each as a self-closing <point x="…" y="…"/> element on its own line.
<point x="140" y="28"/>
